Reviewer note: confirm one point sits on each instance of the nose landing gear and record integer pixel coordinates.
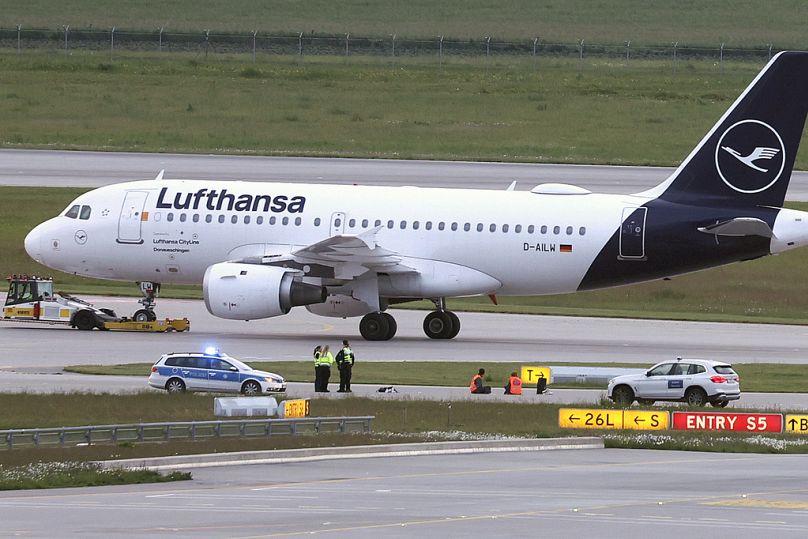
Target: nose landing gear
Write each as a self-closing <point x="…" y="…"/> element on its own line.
<point x="150" y="292"/>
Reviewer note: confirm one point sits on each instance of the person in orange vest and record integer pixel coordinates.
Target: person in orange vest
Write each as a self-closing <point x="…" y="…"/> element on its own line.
<point x="514" y="385"/>
<point x="477" y="385"/>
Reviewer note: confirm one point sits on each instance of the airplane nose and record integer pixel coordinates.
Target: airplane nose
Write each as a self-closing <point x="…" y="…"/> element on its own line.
<point x="33" y="244"/>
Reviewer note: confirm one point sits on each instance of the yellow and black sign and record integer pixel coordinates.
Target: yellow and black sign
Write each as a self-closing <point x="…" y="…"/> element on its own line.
<point x="796" y="424"/>
<point x="645" y="420"/>
<point x="531" y="375"/>
<point x="296" y="408"/>
<point x="574" y="418"/>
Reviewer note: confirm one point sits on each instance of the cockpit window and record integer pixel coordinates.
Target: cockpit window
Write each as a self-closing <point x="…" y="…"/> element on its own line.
<point x="85" y="212"/>
<point x="73" y="212"/>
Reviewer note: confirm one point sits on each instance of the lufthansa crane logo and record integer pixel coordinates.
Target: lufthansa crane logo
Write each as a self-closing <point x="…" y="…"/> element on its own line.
<point x="750" y="156"/>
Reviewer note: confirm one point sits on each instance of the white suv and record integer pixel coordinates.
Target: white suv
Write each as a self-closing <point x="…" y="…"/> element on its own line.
<point x="694" y="381"/>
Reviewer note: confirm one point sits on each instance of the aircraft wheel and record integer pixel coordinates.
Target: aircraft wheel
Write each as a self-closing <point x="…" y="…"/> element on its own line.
<point x="455" y="325"/>
<point x="392" y="326"/>
<point x="439" y="325"/>
<point x="374" y="327"/>
<point x="144" y="315"/>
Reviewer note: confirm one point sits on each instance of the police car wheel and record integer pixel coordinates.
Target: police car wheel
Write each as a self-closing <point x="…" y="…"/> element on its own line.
<point x="696" y="396"/>
<point x="175" y="385"/>
<point x="251" y="387"/>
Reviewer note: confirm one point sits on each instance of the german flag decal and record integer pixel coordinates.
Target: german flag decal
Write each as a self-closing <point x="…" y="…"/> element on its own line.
<point x="565" y="248"/>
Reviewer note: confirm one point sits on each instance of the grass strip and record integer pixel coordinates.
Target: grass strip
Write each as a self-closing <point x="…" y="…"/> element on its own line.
<point x="756" y="377"/>
<point x="41" y="475"/>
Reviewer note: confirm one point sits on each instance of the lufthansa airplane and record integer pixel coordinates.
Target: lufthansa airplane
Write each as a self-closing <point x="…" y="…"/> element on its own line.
<point x="260" y="249"/>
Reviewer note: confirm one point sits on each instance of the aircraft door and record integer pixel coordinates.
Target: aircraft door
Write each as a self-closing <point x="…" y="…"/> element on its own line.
<point x="337" y="223"/>
<point x="632" y="234"/>
<point x="129" y="223"/>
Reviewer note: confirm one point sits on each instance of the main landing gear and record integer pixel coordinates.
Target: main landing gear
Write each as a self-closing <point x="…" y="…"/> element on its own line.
<point x="439" y="324"/>
<point x="150" y="292"/>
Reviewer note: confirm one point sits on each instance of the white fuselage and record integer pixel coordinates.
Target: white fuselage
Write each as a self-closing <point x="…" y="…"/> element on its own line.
<point x="529" y="243"/>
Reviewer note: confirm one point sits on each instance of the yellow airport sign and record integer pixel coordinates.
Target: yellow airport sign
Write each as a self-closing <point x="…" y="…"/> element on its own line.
<point x="296" y="408"/>
<point x="796" y="424"/>
<point x="576" y="418"/>
<point x="531" y="375"/>
<point x="645" y="420"/>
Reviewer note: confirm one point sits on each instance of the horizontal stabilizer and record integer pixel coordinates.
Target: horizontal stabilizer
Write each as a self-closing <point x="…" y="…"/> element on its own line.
<point x="740" y="226"/>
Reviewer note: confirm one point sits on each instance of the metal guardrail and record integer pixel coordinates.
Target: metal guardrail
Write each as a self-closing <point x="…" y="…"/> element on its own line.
<point x="193" y="430"/>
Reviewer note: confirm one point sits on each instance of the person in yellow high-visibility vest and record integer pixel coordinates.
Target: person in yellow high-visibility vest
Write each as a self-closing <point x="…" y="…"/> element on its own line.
<point x="326" y="360"/>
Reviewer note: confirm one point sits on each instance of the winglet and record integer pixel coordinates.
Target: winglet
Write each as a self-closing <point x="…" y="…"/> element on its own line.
<point x="159" y="175"/>
<point x="512" y="186"/>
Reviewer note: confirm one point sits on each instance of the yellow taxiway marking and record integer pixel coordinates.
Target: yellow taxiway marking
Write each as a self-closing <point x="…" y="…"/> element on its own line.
<point x="766" y="504"/>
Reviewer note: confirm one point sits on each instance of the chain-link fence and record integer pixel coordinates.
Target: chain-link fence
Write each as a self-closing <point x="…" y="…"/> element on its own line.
<point x="68" y="40"/>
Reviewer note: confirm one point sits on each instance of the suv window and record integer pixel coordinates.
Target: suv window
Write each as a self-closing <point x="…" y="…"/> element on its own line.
<point x="679" y="369"/>
<point x="661" y="370"/>
<point x="723" y="369"/>
<point x="696" y="369"/>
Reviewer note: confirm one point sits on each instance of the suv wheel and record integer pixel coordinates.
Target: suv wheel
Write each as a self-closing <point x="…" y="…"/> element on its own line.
<point x="623" y="396"/>
<point x="696" y="396"/>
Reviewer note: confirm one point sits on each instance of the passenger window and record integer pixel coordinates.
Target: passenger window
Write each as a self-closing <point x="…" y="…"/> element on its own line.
<point x="337" y="223"/>
<point x="208" y="218"/>
<point x="272" y="220"/>
<point x="479" y="227"/>
<point x="569" y="231"/>
<point x="246" y="219"/>
<point x="364" y="223"/>
<point x="196" y="218"/>
<point x="183" y="217"/>
<point x="259" y="220"/>
<point x="403" y="225"/>
<point x="73" y="212"/>
<point x="467" y="227"/>
<point x="504" y="228"/>
<point x="696" y="369"/>
<point x="234" y="219"/>
<point x="544" y="229"/>
<point x="316" y="221"/>
<point x="85" y="213"/>
<point x="415" y="225"/>
<point x="298" y="220"/>
<point x="531" y="229"/>
<point x="378" y="223"/>
<point x="582" y="230"/>
<point x="441" y="225"/>
<point x="518" y="228"/>
<point x="492" y="228"/>
<point x="352" y="223"/>
<point x="454" y="226"/>
<point x="428" y="225"/>
<point x="390" y="224"/>
<point x="221" y="218"/>
<point x="556" y="230"/>
<point x="285" y="221"/>
<point x="169" y="217"/>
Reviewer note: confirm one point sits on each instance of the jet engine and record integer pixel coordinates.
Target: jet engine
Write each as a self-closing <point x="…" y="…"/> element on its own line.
<point x="250" y="291"/>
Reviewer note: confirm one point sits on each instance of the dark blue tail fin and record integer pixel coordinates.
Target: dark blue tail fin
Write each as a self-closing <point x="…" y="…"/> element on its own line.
<point x="747" y="157"/>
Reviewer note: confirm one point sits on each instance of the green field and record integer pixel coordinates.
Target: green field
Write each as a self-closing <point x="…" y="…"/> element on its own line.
<point x="737" y="22"/>
<point x="640" y="114"/>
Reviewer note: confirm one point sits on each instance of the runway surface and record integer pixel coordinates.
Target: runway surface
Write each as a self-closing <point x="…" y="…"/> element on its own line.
<point x="93" y="169"/>
<point x="483" y="337"/>
<point x="574" y="493"/>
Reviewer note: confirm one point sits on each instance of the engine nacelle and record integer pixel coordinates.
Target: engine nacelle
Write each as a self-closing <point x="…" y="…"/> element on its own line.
<point x="250" y="291"/>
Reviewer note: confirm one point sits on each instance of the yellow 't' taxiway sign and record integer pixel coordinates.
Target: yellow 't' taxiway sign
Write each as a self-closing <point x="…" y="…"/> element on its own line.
<point x="574" y="418"/>
<point x="531" y="375"/>
<point x="796" y="424"/>
<point x="645" y="420"/>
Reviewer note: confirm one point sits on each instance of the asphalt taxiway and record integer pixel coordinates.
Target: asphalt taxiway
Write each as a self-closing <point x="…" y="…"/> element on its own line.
<point x="572" y="493"/>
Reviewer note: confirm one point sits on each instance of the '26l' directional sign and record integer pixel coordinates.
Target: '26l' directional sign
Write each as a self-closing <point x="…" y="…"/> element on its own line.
<point x="727" y="421"/>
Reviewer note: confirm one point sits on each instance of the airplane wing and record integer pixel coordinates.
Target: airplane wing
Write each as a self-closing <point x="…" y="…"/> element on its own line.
<point x="348" y="255"/>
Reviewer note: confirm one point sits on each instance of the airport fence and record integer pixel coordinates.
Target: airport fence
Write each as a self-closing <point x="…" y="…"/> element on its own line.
<point x="186" y="430"/>
<point x="255" y="44"/>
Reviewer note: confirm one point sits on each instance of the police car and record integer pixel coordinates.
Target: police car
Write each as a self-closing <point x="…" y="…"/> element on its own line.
<point x="212" y="371"/>
<point x="694" y="381"/>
